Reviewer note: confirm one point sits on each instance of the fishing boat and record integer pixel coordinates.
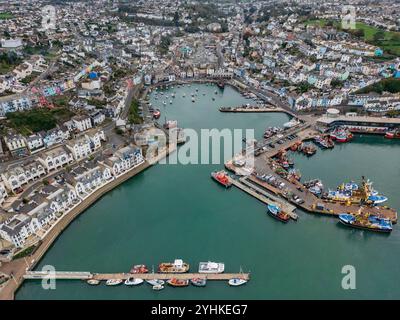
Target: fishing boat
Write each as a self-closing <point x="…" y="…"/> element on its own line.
<point x="198" y="282"/>
<point x="377" y="199"/>
<point x="371" y="222"/>
<point x="178" y="282"/>
<point x="113" y="282"/>
<point x="178" y="266"/>
<point x="222" y="178"/>
<point x="139" y="268"/>
<point x="395" y="134"/>
<point x="93" y="282"/>
<point x="133" y="281"/>
<point x="158" y="287"/>
<point x="211" y="267"/>
<point x="156" y="114"/>
<point x="155" y="282"/>
<point x="341" y="134"/>
<point x="277" y="213"/>
<point x="235" y="282"/>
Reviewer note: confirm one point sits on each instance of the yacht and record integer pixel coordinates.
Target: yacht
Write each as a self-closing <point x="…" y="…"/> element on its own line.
<point x="211" y="267"/>
<point x="235" y="282"/>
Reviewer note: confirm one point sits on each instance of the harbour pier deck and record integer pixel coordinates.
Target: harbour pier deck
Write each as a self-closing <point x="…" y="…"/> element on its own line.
<point x="263" y="195"/>
<point x="252" y="109"/>
<point x="67" y="275"/>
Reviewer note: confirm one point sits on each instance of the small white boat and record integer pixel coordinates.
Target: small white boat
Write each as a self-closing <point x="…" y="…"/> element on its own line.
<point x="158" y="287"/>
<point x="155" y="282"/>
<point x="235" y="282"/>
<point x="93" y="282"/>
<point x="133" y="281"/>
<point x="113" y="282"/>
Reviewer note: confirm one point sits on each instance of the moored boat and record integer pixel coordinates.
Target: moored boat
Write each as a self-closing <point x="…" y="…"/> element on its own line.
<point x="178" y="282"/>
<point x="222" y="178"/>
<point x="211" y="267"/>
<point x="155" y="282"/>
<point x="371" y="222"/>
<point x="235" y="282"/>
<point x="156" y="114"/>
<point x="395" y="134"/>
<point x="178" y="266"/>
<point x="198" y="282"/>
<point x="133" y="281"/>
<point x="277" y="213"/>
<point x="139" y="268"/>
<point x="158" y="287"/>
<point x="93" y="282"/>
<point x="113" y="282"/>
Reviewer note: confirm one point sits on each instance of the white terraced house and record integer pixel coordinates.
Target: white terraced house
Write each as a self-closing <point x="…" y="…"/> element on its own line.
<point x="86" y="180"/>
<point x="96" y="138"/>
<point x="56" y="158"/>
<point x="82" y="123"/>
<point x="80" y="148"/>
<point x="14" y="142"/>
<point x="125" y="159"/>
<point x="16" y="177"/>
<point x="3" y="194"/>
<point x="35" y="143"/>
<point x="18" y="228"/>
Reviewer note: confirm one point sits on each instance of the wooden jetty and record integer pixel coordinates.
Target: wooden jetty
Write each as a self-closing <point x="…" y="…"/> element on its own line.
<point x="67" y="275"/>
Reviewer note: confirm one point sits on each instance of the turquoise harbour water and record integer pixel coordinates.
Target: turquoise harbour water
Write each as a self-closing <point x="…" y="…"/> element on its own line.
<point x="177" y="211"/>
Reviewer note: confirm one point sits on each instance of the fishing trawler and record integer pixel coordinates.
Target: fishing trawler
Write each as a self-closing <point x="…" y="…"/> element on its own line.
<point x="341" y="134"/>
<point x="368" y="222"/>
<point x="222" y="178"/>
<point x="178" y="282"/>
<point x="178" y="266"/>
<point x="277" y="213"/>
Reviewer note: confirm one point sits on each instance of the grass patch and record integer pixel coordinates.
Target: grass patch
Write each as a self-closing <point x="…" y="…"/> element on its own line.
<point x="24" y="253"/>
<point x="133" y="116"/>
<point x="391" y="85"/>
<point x="6" y="15"/>
<point x="27" y="122"/>
<point x="389" y="42"/>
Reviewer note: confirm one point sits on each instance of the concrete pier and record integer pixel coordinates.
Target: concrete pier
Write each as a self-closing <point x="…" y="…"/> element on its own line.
<point x="68" y="275"/>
